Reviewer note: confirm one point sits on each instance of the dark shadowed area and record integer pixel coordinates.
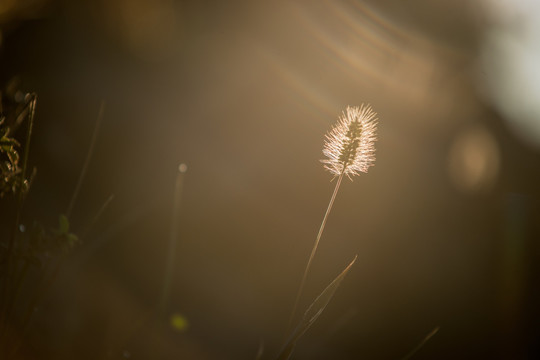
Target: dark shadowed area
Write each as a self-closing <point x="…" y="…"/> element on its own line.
<point x="446" y="225"/>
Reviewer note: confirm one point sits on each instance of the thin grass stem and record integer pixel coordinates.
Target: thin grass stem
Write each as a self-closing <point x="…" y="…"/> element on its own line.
<point x="157" y="312"/>
<point x="43" y="287"/>
<point x="314" y="250"/>
<point x="86" y="161"/>
<point x="173" y="241"/>
<point x="421" y="344"/>
<point x="97" y="216"/>
<point x="11" y="264"/>
<point x="46" y="283"/>
<point x="21" y="189"/>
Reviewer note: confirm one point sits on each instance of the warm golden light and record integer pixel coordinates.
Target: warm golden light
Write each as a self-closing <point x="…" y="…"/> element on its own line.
<point x="473" y="161"/>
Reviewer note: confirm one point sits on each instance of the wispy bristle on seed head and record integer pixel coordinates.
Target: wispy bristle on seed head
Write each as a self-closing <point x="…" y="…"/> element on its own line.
<point x="350" y="145"/>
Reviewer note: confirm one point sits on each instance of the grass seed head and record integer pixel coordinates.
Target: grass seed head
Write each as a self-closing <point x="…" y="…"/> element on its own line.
<point x="350" y="145"/>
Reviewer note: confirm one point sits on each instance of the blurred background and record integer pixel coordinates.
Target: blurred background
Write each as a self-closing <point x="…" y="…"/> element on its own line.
<point x="446" y="225"/>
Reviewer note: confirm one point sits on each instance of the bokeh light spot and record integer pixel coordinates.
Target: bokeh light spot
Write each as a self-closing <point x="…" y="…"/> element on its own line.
<point x="474" y="160"/>
<point x="179" y="322"/>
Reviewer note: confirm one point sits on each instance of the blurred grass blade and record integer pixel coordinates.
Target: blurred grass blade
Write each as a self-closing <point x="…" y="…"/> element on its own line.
<point x="89" y="154"/>
<point x="97" y="216"/>
<point x="260" y="351"/>
<point x="173" y="240"/>
<point x="422" y="343"/>
<point x="313" y="312"/>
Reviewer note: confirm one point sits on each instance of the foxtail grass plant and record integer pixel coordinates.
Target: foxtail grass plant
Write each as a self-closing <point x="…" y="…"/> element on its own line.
<point x="350" y="150"/>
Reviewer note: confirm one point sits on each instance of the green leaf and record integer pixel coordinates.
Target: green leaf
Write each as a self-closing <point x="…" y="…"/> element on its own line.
<point x="72" y="239"/>
<point x="313" y="313"/>
<point x="63" y="224"/>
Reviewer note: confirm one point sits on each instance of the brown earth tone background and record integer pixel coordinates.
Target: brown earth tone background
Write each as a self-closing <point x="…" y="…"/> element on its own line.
<point x="446" y="225"/>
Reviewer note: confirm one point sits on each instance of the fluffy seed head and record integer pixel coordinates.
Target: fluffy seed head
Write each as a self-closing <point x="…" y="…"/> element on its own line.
<point x="350" y="145"/>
